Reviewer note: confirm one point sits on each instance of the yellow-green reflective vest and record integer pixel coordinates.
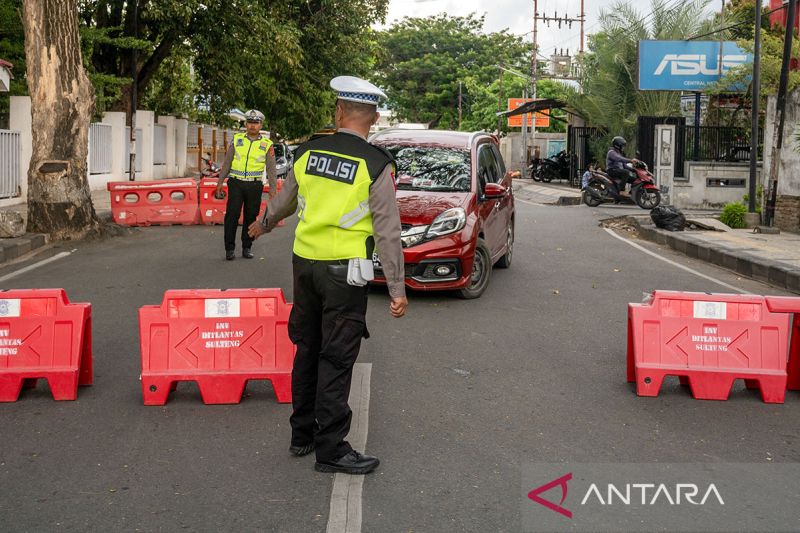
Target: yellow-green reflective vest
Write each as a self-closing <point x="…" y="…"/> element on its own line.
<point x="249" y="157"/>
<point x="334" y="175"/>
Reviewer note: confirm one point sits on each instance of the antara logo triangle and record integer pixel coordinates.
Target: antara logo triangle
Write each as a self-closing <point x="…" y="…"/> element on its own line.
<point x="562" y="482"/>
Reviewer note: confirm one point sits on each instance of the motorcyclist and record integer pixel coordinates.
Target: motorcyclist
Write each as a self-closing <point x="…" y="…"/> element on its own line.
<point x="617" y="163"/>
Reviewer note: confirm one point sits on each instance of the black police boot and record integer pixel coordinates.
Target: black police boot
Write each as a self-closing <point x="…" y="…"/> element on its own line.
<point x="247" y="253"/>
<point x="300" y="451"/>
<point x="230" y="254"/>
<point x="352" y="463"/>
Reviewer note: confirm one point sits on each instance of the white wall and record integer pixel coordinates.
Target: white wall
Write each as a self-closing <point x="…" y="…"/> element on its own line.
<point x="694" y="192"/>
<point x="97" y="182"/>
<point x="144" y="146"/>
<point x="170" y="168"/>
<point x="181" y="131"/>
<point x="20" y="120"/>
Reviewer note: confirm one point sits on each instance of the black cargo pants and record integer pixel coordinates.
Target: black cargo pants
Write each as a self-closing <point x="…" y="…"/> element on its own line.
<point x="247" y="193"/>
<point x="327" y="324"/>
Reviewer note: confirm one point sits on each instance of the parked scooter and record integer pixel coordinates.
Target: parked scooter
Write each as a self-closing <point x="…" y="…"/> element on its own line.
<point x="212" y="171"/>
<point x="644" y="191"/>
<point x="556" y="167"/>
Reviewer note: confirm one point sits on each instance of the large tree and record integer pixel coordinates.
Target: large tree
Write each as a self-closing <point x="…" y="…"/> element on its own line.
<point x="423" y="61"/>
<point x="62" y="99"/>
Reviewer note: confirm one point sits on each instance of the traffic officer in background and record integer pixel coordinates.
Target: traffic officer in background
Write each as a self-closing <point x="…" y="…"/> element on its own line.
<point x="247" y="156"/>
<point x="344" y="188"/>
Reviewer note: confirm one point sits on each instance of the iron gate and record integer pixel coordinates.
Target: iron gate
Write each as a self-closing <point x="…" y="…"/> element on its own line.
<point x="580" y="141"/>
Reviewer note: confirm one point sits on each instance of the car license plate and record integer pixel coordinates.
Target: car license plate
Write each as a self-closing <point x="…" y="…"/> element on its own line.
<point x="376" y="261"/>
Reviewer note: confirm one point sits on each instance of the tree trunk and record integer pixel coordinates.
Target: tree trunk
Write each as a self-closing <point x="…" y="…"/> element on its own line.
<point x="62" y="100"/>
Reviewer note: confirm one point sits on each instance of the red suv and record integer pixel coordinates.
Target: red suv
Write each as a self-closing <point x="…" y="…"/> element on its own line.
<point x="456" y="208"/>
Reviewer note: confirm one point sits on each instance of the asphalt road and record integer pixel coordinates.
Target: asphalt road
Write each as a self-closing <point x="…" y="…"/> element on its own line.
<point x="463" y="394"/>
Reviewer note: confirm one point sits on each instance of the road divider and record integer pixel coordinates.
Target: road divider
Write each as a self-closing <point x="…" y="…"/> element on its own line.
<point x="709" y="341"/>
<point x="157" y="202"/>
<point x="44" y="336"/>
<point x="212" y="209"/>
<point x="219" y="339"/>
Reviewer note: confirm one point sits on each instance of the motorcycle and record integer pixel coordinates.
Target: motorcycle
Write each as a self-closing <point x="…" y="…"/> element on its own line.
<point x="556" y="167"/>
<point x="602" y="188"/>
<point x="212" y="171"/>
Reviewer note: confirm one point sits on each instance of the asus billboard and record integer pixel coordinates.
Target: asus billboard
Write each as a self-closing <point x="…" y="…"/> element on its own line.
<point x="686" y="65"/>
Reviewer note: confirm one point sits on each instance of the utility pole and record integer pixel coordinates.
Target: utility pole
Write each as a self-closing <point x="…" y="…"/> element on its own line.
<point x="754" y="111"/>
<point x="459" y="105"/>
<point x="534" y="63"/>
<point x="134" y="96"/>
<point x="780" y="116"/>
<point x="500" y="103"/>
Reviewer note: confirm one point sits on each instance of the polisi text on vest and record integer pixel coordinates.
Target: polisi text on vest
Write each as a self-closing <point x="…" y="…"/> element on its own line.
<point x="332" y="167"/>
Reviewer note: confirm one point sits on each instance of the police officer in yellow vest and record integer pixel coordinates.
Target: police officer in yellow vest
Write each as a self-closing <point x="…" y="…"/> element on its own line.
<point x="343" y="190"/>
<point x="247" y="157"/>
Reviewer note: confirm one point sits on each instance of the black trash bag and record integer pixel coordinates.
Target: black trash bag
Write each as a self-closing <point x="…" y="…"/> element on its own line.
<point x="668" y="218"/>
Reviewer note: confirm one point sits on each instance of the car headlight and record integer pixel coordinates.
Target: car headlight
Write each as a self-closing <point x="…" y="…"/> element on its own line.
<point x="413" y="235"/>
<point x="447" y="222"/>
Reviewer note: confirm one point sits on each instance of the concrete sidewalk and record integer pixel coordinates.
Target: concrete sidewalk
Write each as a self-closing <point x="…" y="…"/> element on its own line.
<point x="546" y="193"/>
<point x="14" y="248"/>
<point x="770" y="258"/>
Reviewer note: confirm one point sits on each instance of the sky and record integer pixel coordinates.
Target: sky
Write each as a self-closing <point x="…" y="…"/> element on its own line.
<point x="514" y="15"/>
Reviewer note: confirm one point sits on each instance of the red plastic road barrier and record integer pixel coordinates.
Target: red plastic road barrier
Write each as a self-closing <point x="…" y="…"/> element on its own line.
<point x="708" y="340"/>
<point x="158" y="202"/>
<point x="220" y="339"/>
<point x="44" y="336"/>
<point x="212" y="210"/>
<point x="788" y="304"/>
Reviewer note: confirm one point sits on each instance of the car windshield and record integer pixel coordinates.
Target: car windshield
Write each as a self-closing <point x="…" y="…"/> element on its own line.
<point x="421" y="168"/>
<point x="279" y="150"/>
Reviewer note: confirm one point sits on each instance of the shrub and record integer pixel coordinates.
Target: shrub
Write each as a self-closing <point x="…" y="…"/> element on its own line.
<point x="759" y="196"/>
<point x="733" y="215"/>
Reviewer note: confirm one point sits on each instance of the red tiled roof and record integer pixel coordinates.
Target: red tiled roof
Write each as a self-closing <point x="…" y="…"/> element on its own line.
<point x="4" y="63"/>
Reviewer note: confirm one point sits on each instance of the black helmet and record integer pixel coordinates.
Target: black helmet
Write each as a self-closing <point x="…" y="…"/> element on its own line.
<point x="619" y="143"/>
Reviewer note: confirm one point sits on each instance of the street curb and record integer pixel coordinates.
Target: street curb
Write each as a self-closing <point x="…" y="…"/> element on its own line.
<point x="783" y="276"/>
<point x="16" y="247"/>
<point x="569" y="200"/>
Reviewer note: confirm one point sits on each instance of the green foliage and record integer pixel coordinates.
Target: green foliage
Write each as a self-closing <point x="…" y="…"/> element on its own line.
<point x="759" y="197"/>
<point x="12" y="48"/>
<point x="486" y="100"/>
<point x="422" y="61"/>
<point x="733" y="215"/>
<point x="610" y="98"/>
<point x="173" y="89"/>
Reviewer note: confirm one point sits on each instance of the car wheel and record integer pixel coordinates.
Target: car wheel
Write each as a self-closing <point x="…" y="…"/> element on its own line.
<point x="505" y="260"/>
<point x="481" y="272"/>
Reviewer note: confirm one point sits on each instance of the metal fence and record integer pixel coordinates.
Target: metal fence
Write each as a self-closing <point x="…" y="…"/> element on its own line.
<point x="717" y="143"/>
<point x="100" y="148"/>
<point x="160" y="144"/>
<point x="128" y="149"/>
<point x="9" y="164"/>
<point x="580" y="144"/>
<point x="191" y="135"/>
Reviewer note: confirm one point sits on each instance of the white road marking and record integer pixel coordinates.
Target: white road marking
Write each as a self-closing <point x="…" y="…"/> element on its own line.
<point x="34" y="266"/>
<point x="345" y="511"/>
<point x="673" y="263"/>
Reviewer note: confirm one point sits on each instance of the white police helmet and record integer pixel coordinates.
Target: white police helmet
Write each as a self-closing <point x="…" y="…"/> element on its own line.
<point x="357" y="90"/>
<point x="254" y="115"/>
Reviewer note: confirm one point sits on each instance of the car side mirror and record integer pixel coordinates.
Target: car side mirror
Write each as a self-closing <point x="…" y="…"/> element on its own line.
<point x="493" y="191"/>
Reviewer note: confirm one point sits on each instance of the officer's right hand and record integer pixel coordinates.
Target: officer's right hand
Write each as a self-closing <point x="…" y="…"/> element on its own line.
<point x="398" y="306"/>
<point x="219" y="194"/>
